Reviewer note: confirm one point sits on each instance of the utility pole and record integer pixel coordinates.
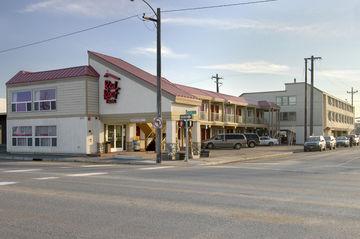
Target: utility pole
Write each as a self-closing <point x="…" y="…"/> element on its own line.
<point x="312" y="58"/>
<point x="305" y="99"/>
<point x="158" y="118"/>
<point x="218" y="83"/>
<point x="352" y="92"/>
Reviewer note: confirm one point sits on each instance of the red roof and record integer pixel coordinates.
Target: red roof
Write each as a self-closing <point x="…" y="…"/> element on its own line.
<point x="228" y="98"/>
<point x="29" y="77"/>
<point x="166" y="85"/>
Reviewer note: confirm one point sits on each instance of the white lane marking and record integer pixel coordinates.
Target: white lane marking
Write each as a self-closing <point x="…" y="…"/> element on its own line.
<point x="154" y="168"/>
<point x="45" y="178"/>
<point x="7" y="183"/>
<point x="65" y="167"/>
<point x="97" y="165"/>
<point x="85" y="174"/>
<point x="22" y="170"/>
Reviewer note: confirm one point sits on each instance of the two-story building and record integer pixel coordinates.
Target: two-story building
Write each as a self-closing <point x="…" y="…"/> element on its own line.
<point x="76" y="110"/>
<point x="332" y="116"/>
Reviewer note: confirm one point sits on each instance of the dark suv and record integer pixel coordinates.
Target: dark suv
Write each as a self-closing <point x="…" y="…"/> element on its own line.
<point x="252" y="139"/>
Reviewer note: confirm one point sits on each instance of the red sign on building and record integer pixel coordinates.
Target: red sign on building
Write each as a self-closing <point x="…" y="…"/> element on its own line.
<point x="111" y="89"/>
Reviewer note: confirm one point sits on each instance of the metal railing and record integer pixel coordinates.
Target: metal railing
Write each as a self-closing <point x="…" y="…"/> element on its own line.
<point x="250" y="120"/>
<point x="239" y="119"/>
<point x="216" y="117"/>
<point x="203" y="115"/>
<point x="230" y="118"/>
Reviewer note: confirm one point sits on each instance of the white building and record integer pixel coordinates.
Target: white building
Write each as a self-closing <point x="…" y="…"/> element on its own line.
<point x="76" y="110"/>
<point x="332" y="116"/>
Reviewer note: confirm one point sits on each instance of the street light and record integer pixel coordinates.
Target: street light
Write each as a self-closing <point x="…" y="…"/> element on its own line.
<point x="158" y="118"/>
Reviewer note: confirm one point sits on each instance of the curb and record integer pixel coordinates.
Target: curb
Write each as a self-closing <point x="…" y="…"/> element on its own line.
<point x="246" y="159"/>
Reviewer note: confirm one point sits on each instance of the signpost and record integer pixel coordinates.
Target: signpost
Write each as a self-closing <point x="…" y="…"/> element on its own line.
<point x="186" y="118"/>
<point x="157" y="123"/>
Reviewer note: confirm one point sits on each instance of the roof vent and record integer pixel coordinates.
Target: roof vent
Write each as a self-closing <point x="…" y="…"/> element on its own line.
<point x="294" y="80"/>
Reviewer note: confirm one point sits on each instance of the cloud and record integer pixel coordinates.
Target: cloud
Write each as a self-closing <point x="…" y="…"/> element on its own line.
<point x="91" y="8"/>
<point x="341" y="75"/>
<point x="257" y="67"/>
<point x="233" y="24"/>
<point x="165" y="52"/>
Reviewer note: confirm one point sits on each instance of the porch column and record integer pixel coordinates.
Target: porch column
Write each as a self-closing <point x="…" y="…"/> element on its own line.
<point x="196" y="139"/>
<point x="130" y="134"/>
<point x="171" y="146"/>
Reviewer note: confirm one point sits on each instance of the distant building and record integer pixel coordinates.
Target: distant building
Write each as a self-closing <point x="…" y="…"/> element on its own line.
<point x="332" y="116"/>
<point x="2" y="121"/>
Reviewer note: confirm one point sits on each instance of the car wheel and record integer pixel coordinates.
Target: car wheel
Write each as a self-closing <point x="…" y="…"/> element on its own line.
<point x="251" y="145"/>
<point x="210" y="146"/>
<point x="237" y="146"/>
<point x="271" y="144"/>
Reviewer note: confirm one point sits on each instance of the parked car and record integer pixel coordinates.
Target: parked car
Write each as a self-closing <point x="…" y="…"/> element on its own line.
<point x="330" y="142"/>
<point x="315" y="143"/>
<point x="235" y="141"/>
<point x="355" y="138"/>
<point x="266" y="140"/>
<point x="252" y="139"/>
<point x="342" y="141"/>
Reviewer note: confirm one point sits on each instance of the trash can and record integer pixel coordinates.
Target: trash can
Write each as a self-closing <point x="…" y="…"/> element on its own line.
<point x="204" y="153"/>
<point x="136" y="145"/>
<point x="107" y="147"/>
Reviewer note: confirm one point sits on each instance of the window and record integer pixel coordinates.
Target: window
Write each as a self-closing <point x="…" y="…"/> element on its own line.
<point x="45" y="136"/>
<point x="45" y="100"/>
<point x="288" y="116"/>
<point x="22" y="136"/>
<point x="21" y="101"/>
<point x="292" y="100"/>
<point x="278" y="101"/>
<point x="285" y="100"/>
<point x="250" y="113"/>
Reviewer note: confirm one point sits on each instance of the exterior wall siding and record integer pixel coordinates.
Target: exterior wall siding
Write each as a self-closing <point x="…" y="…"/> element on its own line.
<point x="92" y="97"/>
<point x="70" y="98"/>
<point x="71" y="135"/>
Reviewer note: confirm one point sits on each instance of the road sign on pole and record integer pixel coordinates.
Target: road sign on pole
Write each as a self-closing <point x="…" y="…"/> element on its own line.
<point x="185" y="117"/>
<point x="157" y="123"/>
<point x="191" y="112"/>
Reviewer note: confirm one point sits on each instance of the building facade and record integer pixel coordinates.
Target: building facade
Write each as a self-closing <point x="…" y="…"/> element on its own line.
<point x="77" y="110"/>
<point x="332" y="116"/>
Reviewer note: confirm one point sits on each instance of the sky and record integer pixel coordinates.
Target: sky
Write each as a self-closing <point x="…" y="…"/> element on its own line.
<point x="255" y="47"/>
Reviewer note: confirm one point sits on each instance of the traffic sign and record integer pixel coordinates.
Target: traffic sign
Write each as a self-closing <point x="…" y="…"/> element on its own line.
<point x="185" y="117"/>
<point x="191" y="112"/>
<point x="157" y="123"/>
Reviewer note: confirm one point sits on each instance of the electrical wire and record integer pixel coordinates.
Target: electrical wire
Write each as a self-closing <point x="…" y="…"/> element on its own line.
<point x="218" y="6"/>
<point x="127" y="18"/>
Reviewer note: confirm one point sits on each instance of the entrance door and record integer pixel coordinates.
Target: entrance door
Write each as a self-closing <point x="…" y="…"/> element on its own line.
<point x="115" y="137"/>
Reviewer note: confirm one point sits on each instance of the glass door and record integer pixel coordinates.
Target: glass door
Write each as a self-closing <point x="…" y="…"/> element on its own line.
<point x="115" y="137"/>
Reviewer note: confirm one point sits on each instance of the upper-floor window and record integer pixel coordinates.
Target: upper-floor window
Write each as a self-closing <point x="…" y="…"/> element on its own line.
<point x="22" y="136"/>
<point x="45" y="99"/>
<point x="21" y="101"/>
<point x="286" y="100"/>
<point x="45" y="136"/>
<point x="288" y="116"/>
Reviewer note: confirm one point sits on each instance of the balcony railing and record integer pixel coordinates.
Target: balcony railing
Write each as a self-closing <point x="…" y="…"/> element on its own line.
<point x="230" y="118"/>
<point x="216" y="117"/>
<point x="203" y="115"/>
<point x="239" y="119"/>
<point x="250" y="120"/>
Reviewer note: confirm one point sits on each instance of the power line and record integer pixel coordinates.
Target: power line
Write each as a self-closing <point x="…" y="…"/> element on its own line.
<point x="127" y="18"/>
<point x="218" y="6"/>
<point x="67" y="34"/>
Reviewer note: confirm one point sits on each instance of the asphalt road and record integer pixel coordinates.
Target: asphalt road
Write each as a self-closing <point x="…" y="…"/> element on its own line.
<point x="307" y="195"/>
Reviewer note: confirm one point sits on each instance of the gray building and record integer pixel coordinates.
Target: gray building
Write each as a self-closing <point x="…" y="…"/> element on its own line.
<point x="332" y="116"/>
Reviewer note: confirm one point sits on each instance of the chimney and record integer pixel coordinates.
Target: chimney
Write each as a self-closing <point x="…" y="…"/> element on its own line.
<point x="294" y="80"/>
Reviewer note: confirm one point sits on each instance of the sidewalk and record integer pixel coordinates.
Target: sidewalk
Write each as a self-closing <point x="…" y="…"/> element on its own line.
<point x="217" y="157"/>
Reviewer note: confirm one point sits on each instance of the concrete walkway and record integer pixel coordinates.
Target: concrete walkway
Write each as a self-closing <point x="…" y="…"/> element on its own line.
<point x="217" y="157"/>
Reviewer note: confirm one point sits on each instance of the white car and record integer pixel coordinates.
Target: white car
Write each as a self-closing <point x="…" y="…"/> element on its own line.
<point x="266" y="140"/>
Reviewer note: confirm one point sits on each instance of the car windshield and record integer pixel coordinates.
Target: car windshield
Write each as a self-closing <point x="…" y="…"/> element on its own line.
<point x="313" y="139"/>
<point x="341" y="137"/>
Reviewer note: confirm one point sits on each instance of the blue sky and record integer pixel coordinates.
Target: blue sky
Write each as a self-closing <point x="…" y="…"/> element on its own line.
<point x="254" y="48"/>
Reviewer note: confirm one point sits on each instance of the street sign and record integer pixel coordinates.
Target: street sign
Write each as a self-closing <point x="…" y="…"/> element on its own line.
<point x="157" y="123"/>
<point x="191" y="112"/>
<point x="185" y="117"/>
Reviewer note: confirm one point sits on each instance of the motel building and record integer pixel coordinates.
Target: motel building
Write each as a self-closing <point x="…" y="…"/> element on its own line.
<point x="109" y="103"/>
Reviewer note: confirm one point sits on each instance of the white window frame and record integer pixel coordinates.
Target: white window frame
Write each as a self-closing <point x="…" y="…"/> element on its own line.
<point x="17" y="137"/>
<point x="42" y="101"/>
<point x="21" y="102"/>
<point x="50" y="137"/>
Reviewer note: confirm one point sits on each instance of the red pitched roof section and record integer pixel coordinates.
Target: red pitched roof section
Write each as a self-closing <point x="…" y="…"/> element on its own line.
<point x="29" y="77"/>
<point x="166" y="85"/>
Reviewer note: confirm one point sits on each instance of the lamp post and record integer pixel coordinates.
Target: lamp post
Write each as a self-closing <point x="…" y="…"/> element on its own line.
<point x="158" y="118"/>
